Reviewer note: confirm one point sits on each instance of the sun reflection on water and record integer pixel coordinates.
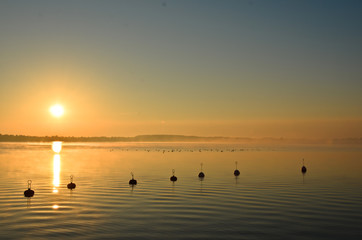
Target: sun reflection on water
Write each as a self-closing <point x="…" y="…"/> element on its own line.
<point x="56" y="173"/>
<point x="57" y="146"/>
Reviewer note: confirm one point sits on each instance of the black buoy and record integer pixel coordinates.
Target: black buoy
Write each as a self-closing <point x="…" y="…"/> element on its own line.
<point x="304" y="169"/>
<point x="132" y="181"/>
<point x="201" y="174"/>
<point x="71" y="185"/>
<point x="236" y="172"/>
<point x="173" y="178"/>
<point x="29" y="192"/>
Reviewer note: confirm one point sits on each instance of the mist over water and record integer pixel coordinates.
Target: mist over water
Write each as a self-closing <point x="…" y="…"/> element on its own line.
<point x="271" y="199"/>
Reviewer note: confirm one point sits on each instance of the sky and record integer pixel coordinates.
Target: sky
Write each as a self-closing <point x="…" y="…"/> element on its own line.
<point x="194" y="67"/>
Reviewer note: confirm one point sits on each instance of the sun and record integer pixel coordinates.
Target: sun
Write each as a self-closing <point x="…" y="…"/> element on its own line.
<point x="57" y="110"/>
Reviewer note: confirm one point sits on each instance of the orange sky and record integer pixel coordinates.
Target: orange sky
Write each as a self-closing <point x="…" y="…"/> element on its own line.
<point x="262" y="70"/>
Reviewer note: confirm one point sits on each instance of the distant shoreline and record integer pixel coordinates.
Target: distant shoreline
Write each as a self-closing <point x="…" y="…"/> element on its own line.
<point x="176" y="138"/>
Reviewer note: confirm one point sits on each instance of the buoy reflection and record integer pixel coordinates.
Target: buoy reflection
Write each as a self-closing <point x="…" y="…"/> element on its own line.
<point x="56" y="173"/>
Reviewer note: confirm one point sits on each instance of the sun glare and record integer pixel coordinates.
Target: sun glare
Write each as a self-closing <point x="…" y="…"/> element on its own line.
<point x="57" y="110"/>
<point x="57" y="146"/>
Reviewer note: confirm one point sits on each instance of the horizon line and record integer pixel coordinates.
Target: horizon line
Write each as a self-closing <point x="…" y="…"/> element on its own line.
<point x="174" y="138"/>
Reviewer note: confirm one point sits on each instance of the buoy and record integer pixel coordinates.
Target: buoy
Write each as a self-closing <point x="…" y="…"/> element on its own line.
<point x="29" y="192"/>
<point x="304" y="169"/>
<point x="71" y="185"/>
<point x="132" y="181"/>
<point x="236" y="172"/>
<point x="173" y="178"/>
<point x="201" y="174"/>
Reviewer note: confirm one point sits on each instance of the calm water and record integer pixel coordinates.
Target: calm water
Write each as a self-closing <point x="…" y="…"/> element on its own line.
<point x="271" y="199"/>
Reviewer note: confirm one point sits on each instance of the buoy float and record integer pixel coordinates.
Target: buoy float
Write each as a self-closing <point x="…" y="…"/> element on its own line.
<point x="71" y="185"/>
<point x="173" y="178"/>
<point x="132" y="181"/>
<point x="236" y="172"/>
<point x="304" y="169"/>
<point x="201" y="174"/>
<point x="29" y="192"/>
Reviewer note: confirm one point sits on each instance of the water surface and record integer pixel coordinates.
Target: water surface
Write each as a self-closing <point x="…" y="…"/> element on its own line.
<point x="271" y="199"/>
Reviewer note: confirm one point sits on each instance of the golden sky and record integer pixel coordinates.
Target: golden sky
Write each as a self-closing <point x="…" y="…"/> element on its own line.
<point x="208" y="68"/>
